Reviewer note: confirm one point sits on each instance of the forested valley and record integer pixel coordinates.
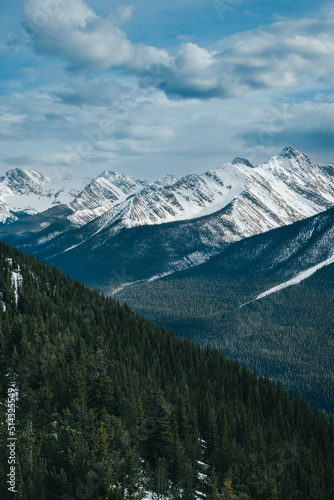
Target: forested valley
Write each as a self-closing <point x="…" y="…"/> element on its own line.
<point x="110" y="406"/>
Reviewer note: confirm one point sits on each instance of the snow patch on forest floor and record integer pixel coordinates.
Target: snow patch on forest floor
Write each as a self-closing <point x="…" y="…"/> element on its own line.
<point x="17" y="281"/>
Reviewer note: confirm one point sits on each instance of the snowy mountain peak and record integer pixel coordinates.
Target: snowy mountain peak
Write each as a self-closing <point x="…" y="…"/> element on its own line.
<point x="23" y="178"/>
<point x="103" y="193"/>
<point x="25" y="191"/>
<point x="165" y="180"/>
<point x="289" y="162"/>
<point x="291" y="158"/>
<point x="110" y="174"/>
<point x="289" y="152"/>
<point x="243" y="161"/>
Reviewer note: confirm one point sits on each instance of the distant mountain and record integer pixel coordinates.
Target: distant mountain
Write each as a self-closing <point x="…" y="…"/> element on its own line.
<point x="107" y="190"/>
<point x="255" y="199"/>
<point x="27" y="192"/>
<point x="31" y="202"/>
<point x="156" y="229"/>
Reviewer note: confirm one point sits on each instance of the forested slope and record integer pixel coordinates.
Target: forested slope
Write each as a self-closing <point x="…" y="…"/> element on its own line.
<point x="288" y="334"/>
<point x="110" y="406"/>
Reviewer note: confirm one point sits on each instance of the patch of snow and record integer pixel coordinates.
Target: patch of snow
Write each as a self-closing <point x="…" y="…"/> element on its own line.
<point x="297" y="279"/>
<point x="17" y="281"/>
<point x="49" y="237"/>
<point x="81" y="217"/>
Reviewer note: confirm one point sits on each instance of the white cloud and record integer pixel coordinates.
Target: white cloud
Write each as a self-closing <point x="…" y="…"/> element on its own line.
<point x="73" y="32"/>
<point x="156" y="127"/>
<point x="286" y="55"/>
<point x="147" y="134"/>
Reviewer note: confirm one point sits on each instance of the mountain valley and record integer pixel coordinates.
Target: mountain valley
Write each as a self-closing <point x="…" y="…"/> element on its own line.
<point x="233" y="257"/>
<point x="266" y="300"/>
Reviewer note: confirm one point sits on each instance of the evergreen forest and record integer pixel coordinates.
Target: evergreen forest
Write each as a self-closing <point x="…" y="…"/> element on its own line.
<point x="110" y="406"/>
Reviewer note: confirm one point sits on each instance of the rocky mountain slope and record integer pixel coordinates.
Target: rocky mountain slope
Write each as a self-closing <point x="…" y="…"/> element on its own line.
<point x="266" y="263"/>
<point x="104" y="192"/>
<point x="159" y="228"/>
<point x="27" y="192"/>
<point x="256" y="199"/>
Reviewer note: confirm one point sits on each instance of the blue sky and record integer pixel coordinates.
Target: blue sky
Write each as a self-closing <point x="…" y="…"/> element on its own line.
<point x="149" y="88"/>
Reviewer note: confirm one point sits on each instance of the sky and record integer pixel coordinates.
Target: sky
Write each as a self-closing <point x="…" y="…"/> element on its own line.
<point x="149" y="88"/>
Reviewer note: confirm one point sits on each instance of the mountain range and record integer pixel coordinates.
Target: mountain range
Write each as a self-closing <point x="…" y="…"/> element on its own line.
<point x="240" y="256"/>
<point x="239" y="260"/>
<point x="119" y="229"/>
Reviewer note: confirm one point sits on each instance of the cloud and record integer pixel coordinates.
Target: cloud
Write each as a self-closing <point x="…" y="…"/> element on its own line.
<point x="157" y="135"/>
<point x="73" y="32"/>
<point x="308" y="125"/>
<point x="90" y="92"/>
<point x="194" y="73"/>
<point x="286" y="55"/>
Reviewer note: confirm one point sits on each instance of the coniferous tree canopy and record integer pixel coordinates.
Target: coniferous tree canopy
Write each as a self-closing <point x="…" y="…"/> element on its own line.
<point x="110" y="406"/>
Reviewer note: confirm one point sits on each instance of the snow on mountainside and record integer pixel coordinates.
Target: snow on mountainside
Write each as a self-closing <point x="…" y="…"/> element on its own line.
<point x="191" y="197"/>
<point x="299" y="278"/>
<point x="27" y="192"/>
<point x="205" y="213"/>
<point x="239" y="200"/>
<point x="165" y="180"/>
<point x="255" y="199"/>
<point x="104" y="192"/>
<point x="24" y="191"/>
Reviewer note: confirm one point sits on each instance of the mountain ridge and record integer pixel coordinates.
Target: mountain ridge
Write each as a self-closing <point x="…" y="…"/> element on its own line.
<point x="28" y="192"/>
<point x="199" y="215"/>
<point x="201" y="191"/>
<point x="266" y="300"/>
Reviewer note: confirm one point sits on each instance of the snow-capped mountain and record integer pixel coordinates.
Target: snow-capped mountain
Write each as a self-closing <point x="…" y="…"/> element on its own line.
<point x="188" y="198"/>
<point x="172" y="224"/>
<point x="27" y="192"/>
<point x="254" y="199"/>
<point x="286" y="188"/>
<point x="165" y="180"/>
<point x="103" y="193"/>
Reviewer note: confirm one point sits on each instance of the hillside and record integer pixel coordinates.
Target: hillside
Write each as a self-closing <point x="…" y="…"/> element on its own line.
<point x="226" y="301"/>
<point x="109" y="406"/>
